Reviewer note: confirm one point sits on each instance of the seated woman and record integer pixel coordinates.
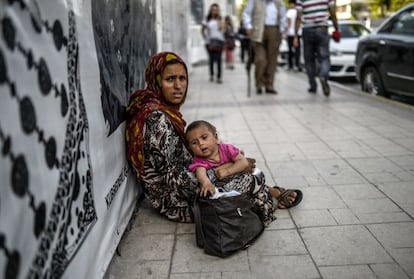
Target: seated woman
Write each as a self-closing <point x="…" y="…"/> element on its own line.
<point x="157" y="148"/>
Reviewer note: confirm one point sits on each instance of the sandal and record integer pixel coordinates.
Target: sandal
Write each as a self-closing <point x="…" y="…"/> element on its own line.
<point x="284" y="195"/>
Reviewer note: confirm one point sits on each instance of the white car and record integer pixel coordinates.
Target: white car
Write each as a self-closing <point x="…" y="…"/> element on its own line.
<point x="343" y="52"/>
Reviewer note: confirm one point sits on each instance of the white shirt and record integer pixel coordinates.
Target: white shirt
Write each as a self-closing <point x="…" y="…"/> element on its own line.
<point x="271" y="13"/>
<point x="213" y="30"/>
<point x="291" y="14"/>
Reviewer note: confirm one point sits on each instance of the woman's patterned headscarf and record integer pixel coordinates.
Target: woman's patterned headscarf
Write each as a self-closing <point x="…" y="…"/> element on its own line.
<point x="143" y="102"/>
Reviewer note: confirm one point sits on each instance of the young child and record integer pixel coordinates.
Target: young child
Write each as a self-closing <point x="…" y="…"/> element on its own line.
<point x="214" y="163"/>
<point x="222" y="159"/>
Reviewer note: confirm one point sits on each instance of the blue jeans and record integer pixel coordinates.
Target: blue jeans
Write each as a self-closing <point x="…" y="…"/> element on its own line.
<point x="316" y="53"/>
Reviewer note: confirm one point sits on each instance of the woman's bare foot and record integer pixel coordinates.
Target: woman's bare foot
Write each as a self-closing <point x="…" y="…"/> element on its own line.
<point x="276" y="192"/>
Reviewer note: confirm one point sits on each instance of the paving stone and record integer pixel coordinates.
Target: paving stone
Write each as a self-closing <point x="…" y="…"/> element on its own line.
<point x="398" y="239"/>
<point x="281" y="223"/>
<point x="372" y="206"/>
<point x="147" y="246"/>
<point x="196" y="275"/>
<point x="343" y="245"/>
<point x="387" y="147"/>
<point x="344" y="216"/>
<point x="292" y="181"/>
<point x="358" y="192"/>
<point x="381" y="177"/>
<point x="320" y="198"/>
<point x="405" y="161"/>
<point x="141" y="269"/>
<point x="190" y="258"/>
<point x="377" y="165"/>
<point x="388" y="271"/>
<point x="399" y="192"/>
<point x="313" y="218"/>
<point x="336" y="172"/>
<point x="383" y="217"/>
<point x="287" y="267"/>
<point x="316" y="150"/>
<point x="303" y="168"/>
<point x="353" y="164"/>
<point x="347" y="272"/>
<point x="278" y="242"/>
<point x="352" y="149"/>
<point x="281" y="152"/>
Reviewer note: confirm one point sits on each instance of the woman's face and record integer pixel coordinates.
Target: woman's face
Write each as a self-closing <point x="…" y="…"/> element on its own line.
<point x="215" y="11"/>
<point x="203" y="142"/>
<point x="174" y="82"/>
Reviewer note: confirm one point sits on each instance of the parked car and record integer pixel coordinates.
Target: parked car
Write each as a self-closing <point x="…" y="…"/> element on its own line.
<point x="385" y="58"/>
<point x="343" y="52"/>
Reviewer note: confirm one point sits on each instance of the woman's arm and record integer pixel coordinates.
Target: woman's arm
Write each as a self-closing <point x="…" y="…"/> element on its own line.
<point x="222" y="25"/>
<point x="203" y="31"/>
<point x="240" y="163"/>
<point x="166" y="158"/>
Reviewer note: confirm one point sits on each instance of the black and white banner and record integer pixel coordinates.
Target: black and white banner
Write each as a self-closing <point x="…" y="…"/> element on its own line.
<point x="67" y="69"/>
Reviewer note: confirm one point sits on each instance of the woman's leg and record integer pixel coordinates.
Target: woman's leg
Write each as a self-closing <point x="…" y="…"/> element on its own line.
<point x="297" y="55"/>
<point x="219" y="56"/>
<point x="211" y="64"/>
<point x="290" y="53"/>
<point x="231" y="58"/>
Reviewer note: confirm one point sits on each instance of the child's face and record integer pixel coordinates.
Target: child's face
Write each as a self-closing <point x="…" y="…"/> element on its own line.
<point x="202" y="142"/>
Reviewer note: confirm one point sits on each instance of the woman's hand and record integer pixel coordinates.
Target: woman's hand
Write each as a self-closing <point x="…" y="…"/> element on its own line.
<point x="252" y="165"/>
<point x="221" y="173"/>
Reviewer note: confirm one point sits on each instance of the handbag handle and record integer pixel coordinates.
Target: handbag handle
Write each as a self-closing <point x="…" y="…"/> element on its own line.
<point x="197" y="221"/>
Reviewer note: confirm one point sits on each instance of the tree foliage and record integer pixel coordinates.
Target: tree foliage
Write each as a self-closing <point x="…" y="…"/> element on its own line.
<point x="379" y="8"/>
<point x="382" y="8"/>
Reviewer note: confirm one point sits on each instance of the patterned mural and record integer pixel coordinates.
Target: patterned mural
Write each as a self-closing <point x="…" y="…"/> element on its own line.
<point x="66" y="71"/>
<point x="123" y="40"/>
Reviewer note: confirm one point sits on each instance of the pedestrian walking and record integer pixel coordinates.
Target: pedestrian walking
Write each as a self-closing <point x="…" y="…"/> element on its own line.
<point x="293" y="52"/>
<point x="230" y="44"/>
<point x="314" y="17"/>
<point x="212" y="31"/>
<point x="244" y="41"/>
<point x="265" y="21"/>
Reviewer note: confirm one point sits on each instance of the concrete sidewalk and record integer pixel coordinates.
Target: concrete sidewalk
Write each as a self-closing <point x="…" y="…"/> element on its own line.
<point x="351" y="154"/>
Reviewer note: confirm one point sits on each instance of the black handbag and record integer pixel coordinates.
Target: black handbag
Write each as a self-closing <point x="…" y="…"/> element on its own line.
<point x="215" y="45"/>
<point x="226" y="225"/>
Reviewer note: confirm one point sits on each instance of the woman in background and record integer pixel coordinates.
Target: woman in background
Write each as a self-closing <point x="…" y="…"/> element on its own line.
<point x="230" y="44"/>
<point x="212" y="31"/>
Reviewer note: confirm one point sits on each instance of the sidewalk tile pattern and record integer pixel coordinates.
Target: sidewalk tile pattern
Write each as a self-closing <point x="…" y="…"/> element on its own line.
<point x="351" y="154"/>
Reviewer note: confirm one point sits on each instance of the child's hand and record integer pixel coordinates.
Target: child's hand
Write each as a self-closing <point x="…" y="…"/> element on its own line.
<point x="207" y="190"/>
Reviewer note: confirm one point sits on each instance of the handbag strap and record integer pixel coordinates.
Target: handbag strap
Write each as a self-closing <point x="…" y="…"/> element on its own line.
<point x="197" y="220"/>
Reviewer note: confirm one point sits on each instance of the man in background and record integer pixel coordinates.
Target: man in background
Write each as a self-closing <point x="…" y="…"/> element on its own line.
<point x="265" y="21"/>
<point x="294" y="52"/>
<point x="314" y="17"/>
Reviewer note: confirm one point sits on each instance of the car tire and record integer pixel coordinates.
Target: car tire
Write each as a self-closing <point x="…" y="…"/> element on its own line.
<point x="371" y="82"/>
